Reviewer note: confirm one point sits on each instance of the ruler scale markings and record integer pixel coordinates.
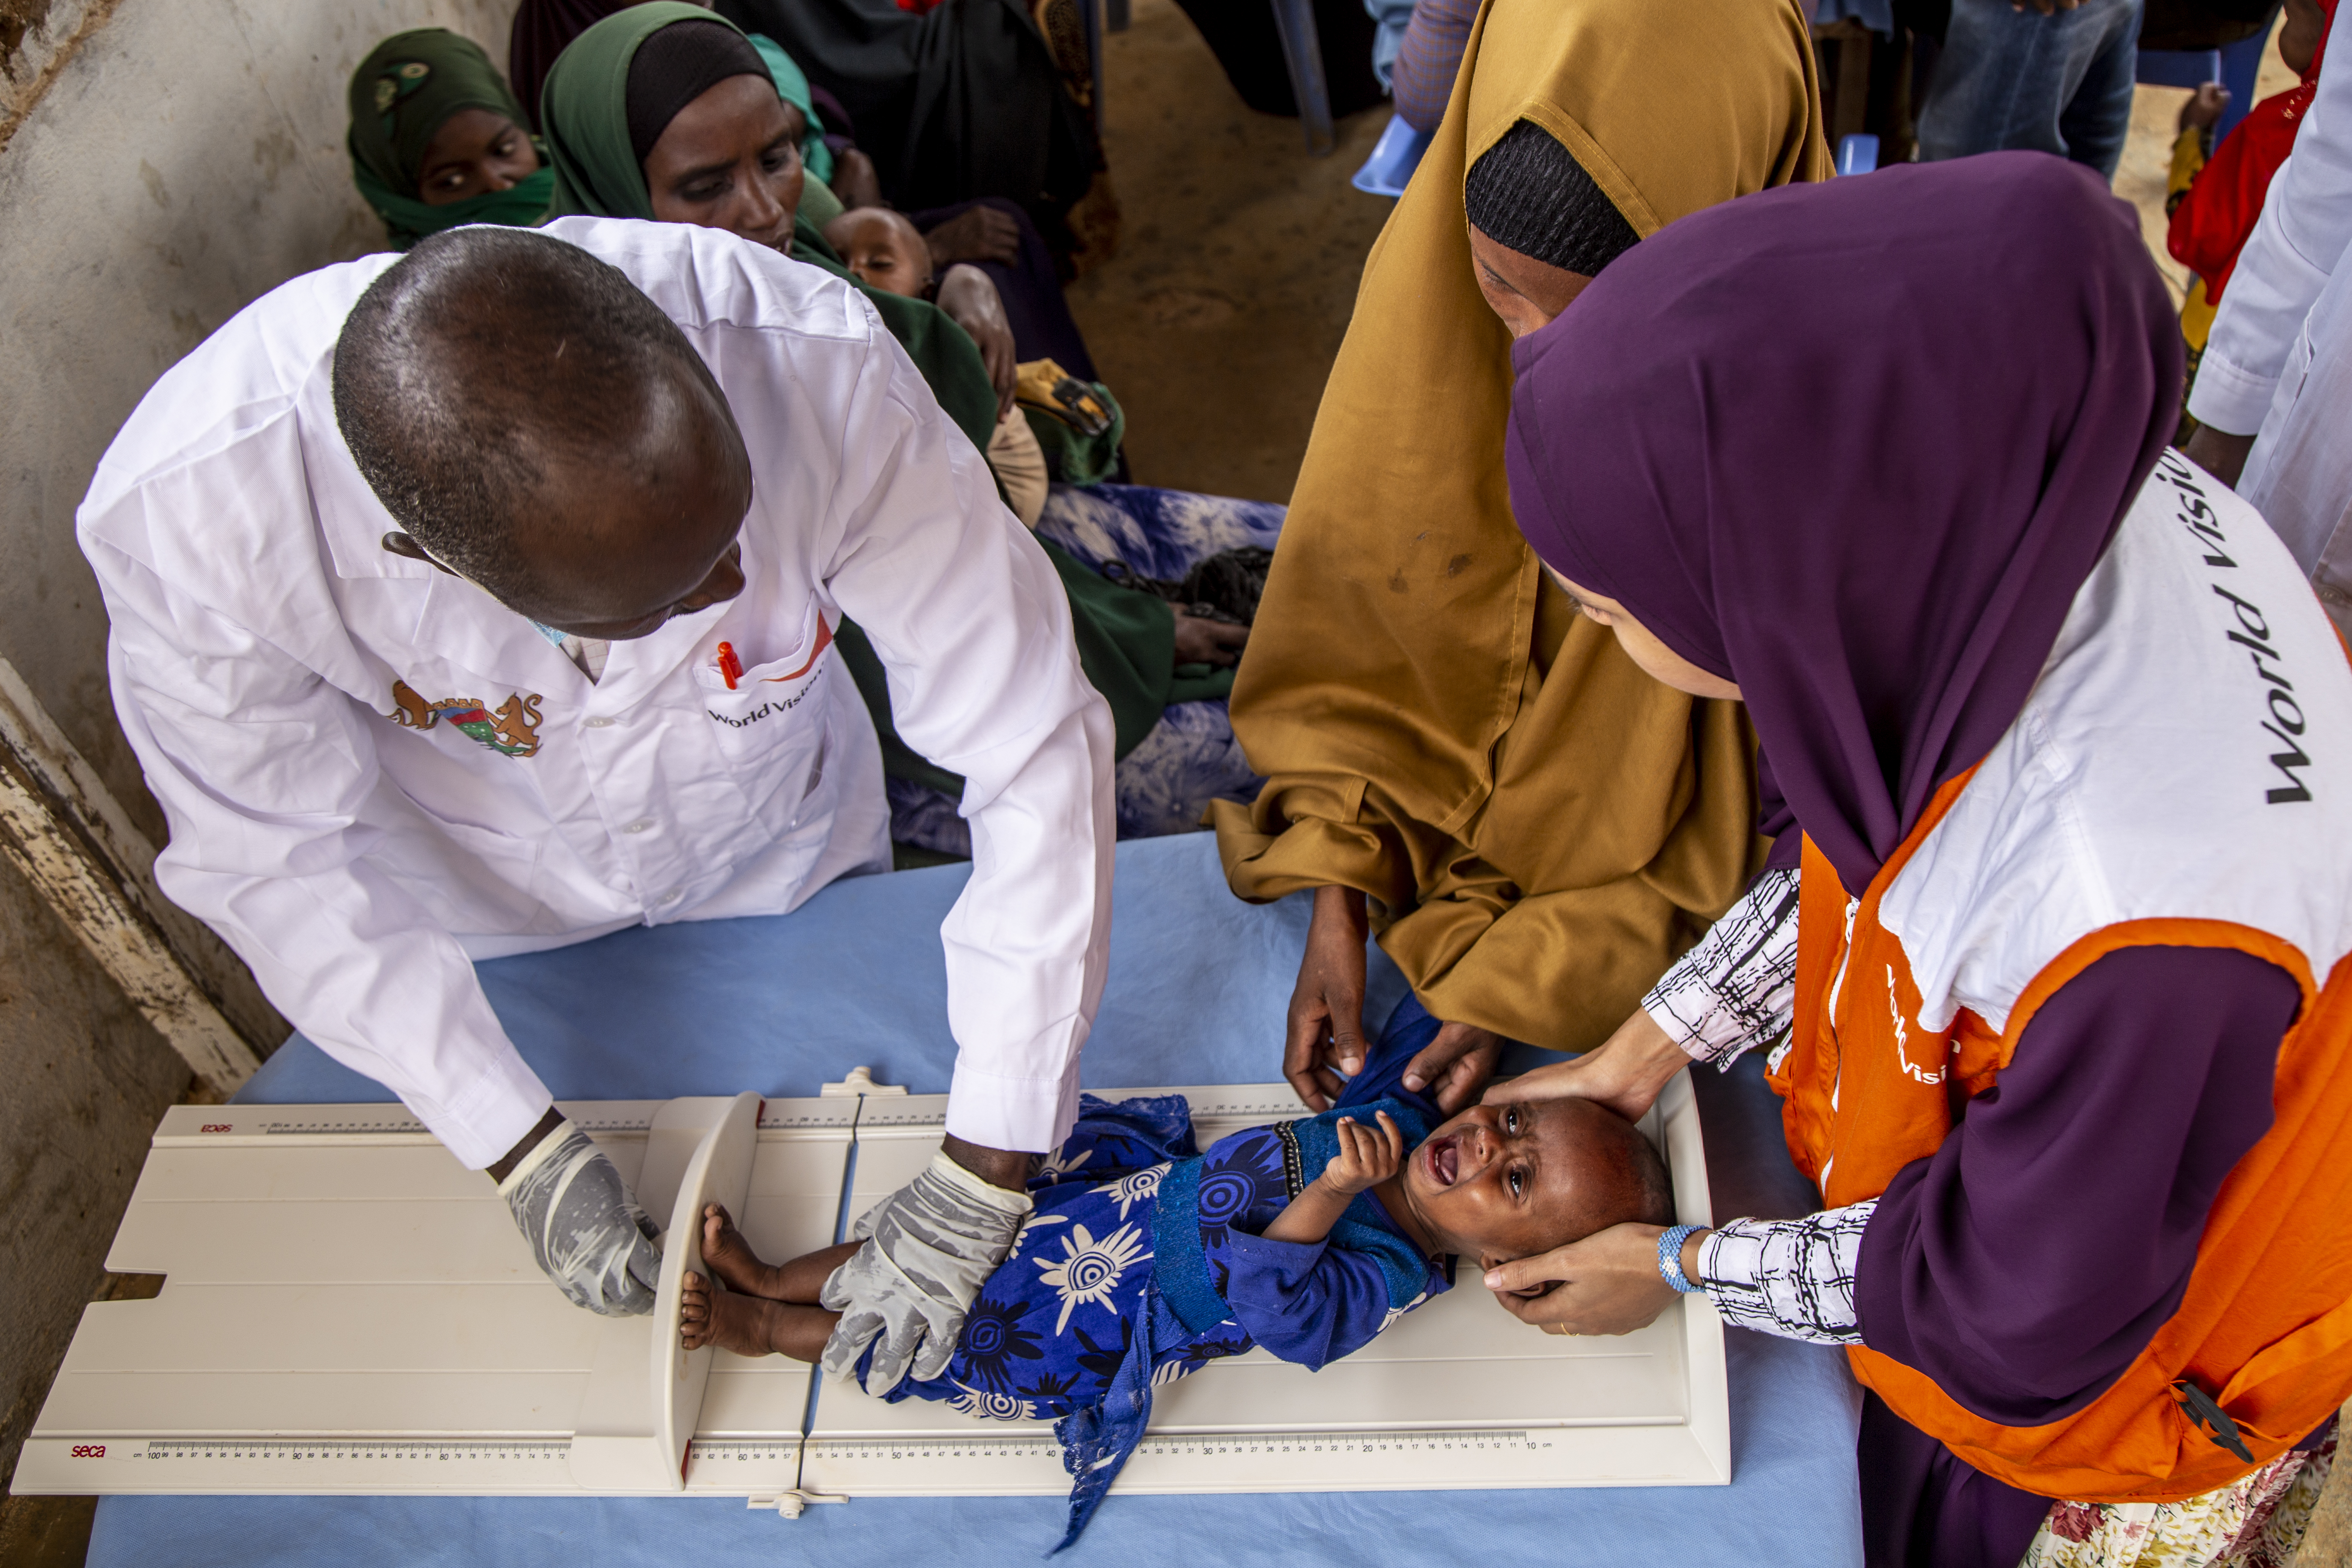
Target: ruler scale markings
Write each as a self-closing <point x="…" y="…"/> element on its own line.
<point x="1252" y="1445"/>
<point x="436" y="1449"/>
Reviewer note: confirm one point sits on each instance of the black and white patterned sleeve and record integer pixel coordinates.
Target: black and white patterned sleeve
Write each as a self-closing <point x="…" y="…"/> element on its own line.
<point x="1793" y="1277"/>
<point x="1737" y="989"/>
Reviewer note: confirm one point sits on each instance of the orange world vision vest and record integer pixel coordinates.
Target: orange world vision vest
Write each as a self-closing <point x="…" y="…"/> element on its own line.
<point x="2266" y="1324"/>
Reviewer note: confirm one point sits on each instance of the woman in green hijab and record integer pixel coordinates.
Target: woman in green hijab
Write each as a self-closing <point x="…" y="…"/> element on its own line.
<point x="437" y="139"/>
<point x="664" y="111"/>
<point x="614" y="93"/>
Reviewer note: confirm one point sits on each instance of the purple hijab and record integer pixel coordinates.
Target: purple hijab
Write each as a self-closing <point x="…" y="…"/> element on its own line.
<point x="1855" y="446"/>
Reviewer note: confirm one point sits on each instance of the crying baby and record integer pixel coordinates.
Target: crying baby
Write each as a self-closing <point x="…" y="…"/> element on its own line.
<point x="1146" y="1259"/>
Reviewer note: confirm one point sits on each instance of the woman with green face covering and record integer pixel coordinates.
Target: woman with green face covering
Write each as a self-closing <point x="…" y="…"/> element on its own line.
<point x="664" y="111"/>
<point x="437" y="141"/>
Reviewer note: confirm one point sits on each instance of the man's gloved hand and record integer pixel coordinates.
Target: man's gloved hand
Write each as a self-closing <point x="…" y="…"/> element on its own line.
<point x="930" y="1246"/>
<point x="588" y="1234"/>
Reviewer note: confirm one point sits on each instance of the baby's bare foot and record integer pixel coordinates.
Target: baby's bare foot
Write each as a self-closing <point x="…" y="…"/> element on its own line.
<point x="708" y="1316"/>
<point x="726" y="1255"/>
<point x="748" y="1325"/>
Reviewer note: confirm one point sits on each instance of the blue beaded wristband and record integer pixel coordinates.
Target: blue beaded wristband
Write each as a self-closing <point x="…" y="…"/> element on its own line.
<point x="1669" y="1257"/>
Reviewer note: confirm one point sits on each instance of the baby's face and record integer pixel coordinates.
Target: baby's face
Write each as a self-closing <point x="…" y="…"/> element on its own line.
<point x="882" y="249"/>
<point x="1503" y="1182"/>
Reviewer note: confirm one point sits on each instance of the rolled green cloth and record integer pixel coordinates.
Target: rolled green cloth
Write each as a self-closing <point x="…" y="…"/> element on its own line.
<point x="402" y="92"/>
<point x="818" y="204"/>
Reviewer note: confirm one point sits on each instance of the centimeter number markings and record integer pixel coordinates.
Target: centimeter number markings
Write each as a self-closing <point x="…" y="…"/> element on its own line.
<point x="742" y="1449"/>
<point x="1237" y="1446"/>
<point x="433" y="1450"/>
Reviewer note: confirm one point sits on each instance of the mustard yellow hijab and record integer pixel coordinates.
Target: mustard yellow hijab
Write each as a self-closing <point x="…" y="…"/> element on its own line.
<point x="1542" y="827"/>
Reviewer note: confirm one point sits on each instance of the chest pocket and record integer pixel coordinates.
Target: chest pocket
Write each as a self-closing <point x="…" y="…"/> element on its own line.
<point x="776" y="707"/>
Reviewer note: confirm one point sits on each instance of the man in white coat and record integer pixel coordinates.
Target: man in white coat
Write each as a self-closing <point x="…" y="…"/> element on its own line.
<point x="482" y="603"/>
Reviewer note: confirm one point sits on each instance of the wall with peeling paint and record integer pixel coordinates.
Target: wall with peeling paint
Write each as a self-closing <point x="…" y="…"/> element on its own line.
<point x="162" y="163"/>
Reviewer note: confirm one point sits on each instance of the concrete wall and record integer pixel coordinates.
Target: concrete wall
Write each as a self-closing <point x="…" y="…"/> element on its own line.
<point x="162" y="163"/>
<point x="86" y="1080"/>
<point x="182" y="158"/>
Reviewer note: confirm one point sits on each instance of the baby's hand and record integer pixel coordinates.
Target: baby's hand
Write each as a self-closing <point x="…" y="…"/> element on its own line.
<point x="1368" y="1155"/>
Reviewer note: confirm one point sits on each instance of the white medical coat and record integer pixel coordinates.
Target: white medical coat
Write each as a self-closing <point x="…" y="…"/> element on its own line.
<point x="374" y="773"/>
<point x="2298" y="243"/>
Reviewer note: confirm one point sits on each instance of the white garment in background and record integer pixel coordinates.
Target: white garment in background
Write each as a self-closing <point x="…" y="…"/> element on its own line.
<point x="2299" y="475"/>
<point x="2305" y="225"/>
<point x="375" y="773"/>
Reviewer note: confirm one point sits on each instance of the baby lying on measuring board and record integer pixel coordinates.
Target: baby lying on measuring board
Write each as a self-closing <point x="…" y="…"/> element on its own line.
<point x="1144" y="1261"/>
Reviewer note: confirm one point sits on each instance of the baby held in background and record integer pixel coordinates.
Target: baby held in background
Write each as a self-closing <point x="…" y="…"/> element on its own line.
<point x="1146" y="1260"/>
<point x="887" y="252"/>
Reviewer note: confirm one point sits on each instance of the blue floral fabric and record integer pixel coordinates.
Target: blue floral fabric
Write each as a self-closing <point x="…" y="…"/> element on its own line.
<point x="1073" y="1326"/>
<point x="1191" y="758"/>
<point x="1158" y="533"/>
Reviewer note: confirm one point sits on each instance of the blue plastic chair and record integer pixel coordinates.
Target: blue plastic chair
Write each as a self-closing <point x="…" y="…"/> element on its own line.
<point x="1395" y="157"/>
<point x="2177" y="68"/>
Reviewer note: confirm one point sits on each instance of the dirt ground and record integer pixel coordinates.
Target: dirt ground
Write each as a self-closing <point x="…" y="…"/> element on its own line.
<point x="1217" y="321"/>
<point x="1216" y="324"/>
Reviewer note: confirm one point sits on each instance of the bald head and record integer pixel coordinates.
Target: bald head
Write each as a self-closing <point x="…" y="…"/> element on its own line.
<point x="535" y="424"/>
<point x="1619" y="1177"/>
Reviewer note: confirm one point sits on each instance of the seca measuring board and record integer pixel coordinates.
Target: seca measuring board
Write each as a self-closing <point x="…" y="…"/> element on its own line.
<point x="347" y="1311"/>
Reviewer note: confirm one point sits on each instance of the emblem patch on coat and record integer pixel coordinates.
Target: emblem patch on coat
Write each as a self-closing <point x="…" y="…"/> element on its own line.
<point x="512" y="727"/>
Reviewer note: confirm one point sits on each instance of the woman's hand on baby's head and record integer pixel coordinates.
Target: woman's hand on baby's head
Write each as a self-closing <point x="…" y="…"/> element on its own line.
<point x="1368" y="1155"/>
<point x="1607" y="1283"/>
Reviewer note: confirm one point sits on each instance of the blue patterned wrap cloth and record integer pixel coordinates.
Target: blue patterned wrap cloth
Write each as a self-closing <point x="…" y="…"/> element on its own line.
<point x="1127" y="1276"/>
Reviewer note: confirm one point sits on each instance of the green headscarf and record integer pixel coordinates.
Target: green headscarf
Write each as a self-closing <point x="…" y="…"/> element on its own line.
<point x="583" y="112"/>
<point x="792" y="86"/>
<point x="1126" y="641"/>
<point x="402" y="93"/>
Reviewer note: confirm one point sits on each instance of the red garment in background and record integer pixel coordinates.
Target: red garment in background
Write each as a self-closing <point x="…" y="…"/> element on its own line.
<point x="2217" y="215"/>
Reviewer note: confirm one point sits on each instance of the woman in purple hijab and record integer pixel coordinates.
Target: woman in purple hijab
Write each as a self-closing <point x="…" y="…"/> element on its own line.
<point x="2055" y="725"/>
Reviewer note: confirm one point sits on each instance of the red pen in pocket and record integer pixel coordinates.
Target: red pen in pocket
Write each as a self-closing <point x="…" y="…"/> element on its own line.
<point x="730" y="667"/>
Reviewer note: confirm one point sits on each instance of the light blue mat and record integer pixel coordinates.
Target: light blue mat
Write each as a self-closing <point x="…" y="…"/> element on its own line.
<point x="1198" y="987"/>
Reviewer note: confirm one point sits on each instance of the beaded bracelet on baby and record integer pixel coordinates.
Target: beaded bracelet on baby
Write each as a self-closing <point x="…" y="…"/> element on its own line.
<point x="1669" y="1257"/>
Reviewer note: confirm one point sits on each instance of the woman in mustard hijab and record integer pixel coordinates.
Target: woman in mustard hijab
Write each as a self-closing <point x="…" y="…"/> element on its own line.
<point x="1536" y="826"/>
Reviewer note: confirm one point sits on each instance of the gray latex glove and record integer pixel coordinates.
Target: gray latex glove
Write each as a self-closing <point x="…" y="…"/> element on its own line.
<point x="589" y="1236"/>
<point x="930" y="1246"/>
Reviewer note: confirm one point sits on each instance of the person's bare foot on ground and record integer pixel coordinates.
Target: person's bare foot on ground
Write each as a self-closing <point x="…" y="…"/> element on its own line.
<point x="728" y="1255"/>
